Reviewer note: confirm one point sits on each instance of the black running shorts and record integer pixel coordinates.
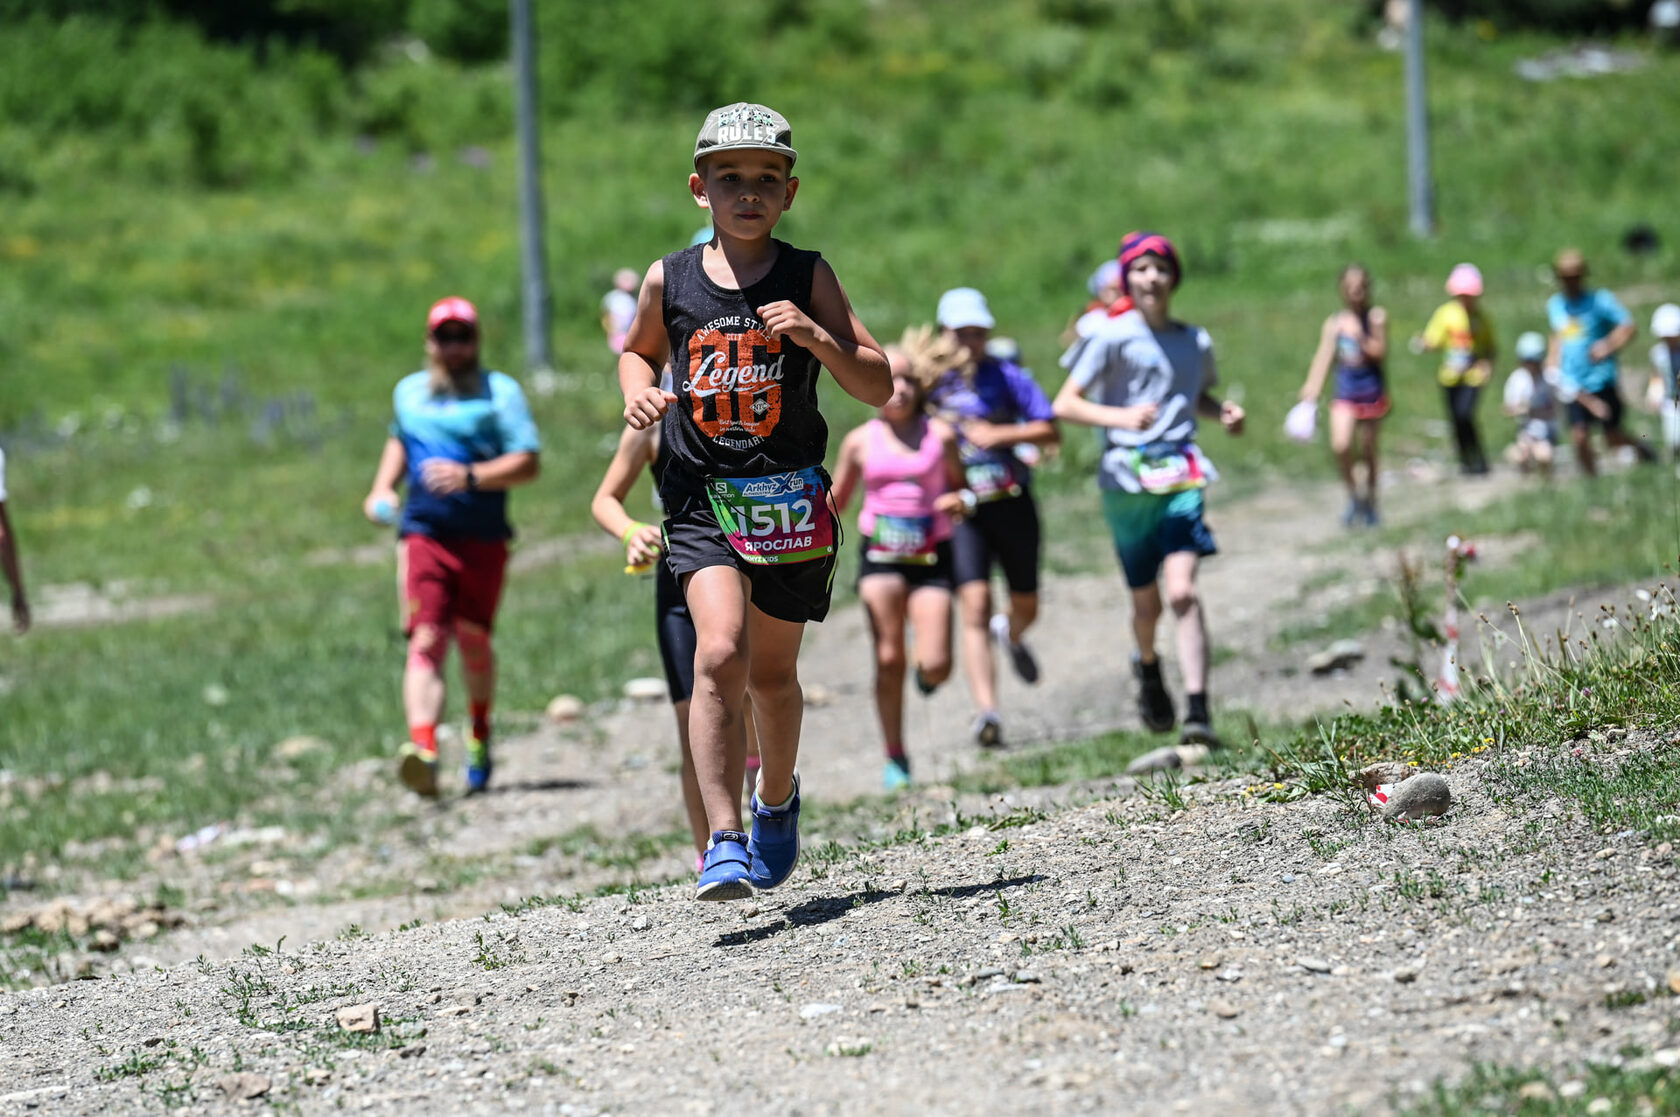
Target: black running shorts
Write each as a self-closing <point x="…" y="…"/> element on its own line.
<point x="1001" y="531"/>
<point x="796" y="592"/>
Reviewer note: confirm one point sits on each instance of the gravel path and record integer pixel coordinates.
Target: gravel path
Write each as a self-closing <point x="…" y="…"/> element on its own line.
<point x="1228" y="957"/>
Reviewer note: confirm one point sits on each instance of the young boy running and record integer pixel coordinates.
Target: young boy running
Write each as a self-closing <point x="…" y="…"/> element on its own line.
<point x="1150" y="376"/>
<point x="747" y="323"/>
<point x="643" y="546"/>
<point x="462" y="436"/>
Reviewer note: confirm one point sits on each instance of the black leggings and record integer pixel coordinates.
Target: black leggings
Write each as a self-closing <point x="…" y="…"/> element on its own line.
<point x="1461" y="406"/>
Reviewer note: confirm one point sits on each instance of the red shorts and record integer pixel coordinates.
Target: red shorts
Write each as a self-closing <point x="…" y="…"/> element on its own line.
<point x="448" y="580"/>
<point x="1364" y="411"/>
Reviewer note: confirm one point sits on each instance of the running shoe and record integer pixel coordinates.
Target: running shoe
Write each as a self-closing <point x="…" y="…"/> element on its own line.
<point x="1353" y="513"/>
<point x="1020" y="656"/>
<point x="1155" y="705"/>
<point x="923" y="687"/>
<point x="988" y="730"/>
<point x="1369" y="512"/>
<point x="1199" y="733"/>
<point x="895" y="775"/>
<point x="725" y="868"/>
<point x="478" y="765"/>
<point x="774" y="845"/>
<point x="417" y="768"/>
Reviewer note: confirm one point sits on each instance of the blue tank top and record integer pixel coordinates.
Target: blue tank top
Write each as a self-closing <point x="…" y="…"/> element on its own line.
<point x="1358" y="378"/>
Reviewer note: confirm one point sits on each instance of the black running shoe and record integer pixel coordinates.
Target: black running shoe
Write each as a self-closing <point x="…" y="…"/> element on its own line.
<point x="1155" y="705"/>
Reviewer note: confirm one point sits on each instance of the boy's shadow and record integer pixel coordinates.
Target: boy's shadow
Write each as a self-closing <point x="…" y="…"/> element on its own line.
<point x="813" y="913"/>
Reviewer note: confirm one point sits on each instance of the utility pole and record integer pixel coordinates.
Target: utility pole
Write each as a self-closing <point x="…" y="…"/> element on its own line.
<point x="533" y="257"/>
<point x="1420" y="182"/>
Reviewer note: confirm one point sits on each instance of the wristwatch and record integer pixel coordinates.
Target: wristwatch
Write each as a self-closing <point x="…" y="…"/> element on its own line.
<point x="472" y="480"/>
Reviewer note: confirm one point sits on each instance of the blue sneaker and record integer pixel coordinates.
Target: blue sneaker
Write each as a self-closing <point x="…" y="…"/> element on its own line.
<point x="774" y="846"/>
<point x="478" y="765"/>
<point x="725" y="869"/>
<point x="895" y="775"/>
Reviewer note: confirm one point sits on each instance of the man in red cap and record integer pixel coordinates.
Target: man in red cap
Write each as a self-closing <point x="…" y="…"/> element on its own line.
<point x="462" y="436"/>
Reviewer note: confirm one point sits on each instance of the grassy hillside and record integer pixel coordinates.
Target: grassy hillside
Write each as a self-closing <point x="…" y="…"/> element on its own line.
<point x="215" y="262"/>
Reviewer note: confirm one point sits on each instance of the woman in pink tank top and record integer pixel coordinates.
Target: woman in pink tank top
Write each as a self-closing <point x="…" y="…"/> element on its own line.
<point x="911" y="474"/>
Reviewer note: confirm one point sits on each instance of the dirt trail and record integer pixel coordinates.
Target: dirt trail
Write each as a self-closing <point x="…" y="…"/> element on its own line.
<point x="1122" y="956"/>
<point x="614" y="772"/>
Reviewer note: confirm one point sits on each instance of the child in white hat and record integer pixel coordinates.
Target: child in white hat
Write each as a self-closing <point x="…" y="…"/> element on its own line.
<point x="1531" y="398"/>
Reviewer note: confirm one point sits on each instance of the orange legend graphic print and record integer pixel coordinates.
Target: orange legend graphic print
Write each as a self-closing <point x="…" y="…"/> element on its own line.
<point x="735" y="381"/>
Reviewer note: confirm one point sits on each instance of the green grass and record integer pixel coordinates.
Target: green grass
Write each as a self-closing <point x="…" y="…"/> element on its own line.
<point x="1576" y="533"/>
<point x="1490" y="1090"/>
<point x="1614" y="678"/>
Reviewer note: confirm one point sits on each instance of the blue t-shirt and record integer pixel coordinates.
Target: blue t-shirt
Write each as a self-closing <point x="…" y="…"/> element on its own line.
<point x="492" y="421"/>
<point x="999" y="392"/>
<point x="1580" y="323"/>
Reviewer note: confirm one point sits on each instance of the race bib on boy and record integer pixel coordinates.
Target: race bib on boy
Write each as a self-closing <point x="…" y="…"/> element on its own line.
<point x="775" y="519"/>
<point x="903" y="541"/>
<point x="1163" y="469"/>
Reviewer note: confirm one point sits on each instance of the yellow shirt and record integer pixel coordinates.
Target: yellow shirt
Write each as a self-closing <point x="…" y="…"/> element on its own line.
<point x="1467" y="342"/>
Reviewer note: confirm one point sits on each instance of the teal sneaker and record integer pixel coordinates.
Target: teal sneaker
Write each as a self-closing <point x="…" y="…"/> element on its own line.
<point x="895" y="774"/>
<point x="417" y="768"/>
<point x="478" y="765"/>
<point x="774" y="845"/>
<point x="725" y="868"/>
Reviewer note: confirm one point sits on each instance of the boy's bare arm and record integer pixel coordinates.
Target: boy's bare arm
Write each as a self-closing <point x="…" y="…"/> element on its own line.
<point x="1070" y="404"/>
<point x="646" y="349"/>
<point x="834" y="335"/>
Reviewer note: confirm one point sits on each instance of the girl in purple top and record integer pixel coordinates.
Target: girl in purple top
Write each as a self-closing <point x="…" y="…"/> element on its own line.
<point x="996" y="406"/>
<point x="1354" y="341"/>
<point x="912" y="478"/>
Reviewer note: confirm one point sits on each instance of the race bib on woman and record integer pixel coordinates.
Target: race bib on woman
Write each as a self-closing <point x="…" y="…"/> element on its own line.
<point x="903" y="541"/>
<point x="780" y="518"/>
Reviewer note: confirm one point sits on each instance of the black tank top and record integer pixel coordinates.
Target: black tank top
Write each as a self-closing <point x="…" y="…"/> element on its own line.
<point x="746" y="403"/>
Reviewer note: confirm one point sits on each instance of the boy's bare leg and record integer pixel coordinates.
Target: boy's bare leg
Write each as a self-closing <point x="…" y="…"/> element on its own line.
<point x="719" y="600"/>
<point x="1178" y="576"/>
<point x="778" y="703"/>
<point x="1146" y="615"/>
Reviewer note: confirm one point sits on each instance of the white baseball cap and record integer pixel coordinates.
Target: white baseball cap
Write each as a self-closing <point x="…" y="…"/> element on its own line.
<point x="1665" y="320"/>
<point x="962" y="307"/>
<point x="1531" y="347"/>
